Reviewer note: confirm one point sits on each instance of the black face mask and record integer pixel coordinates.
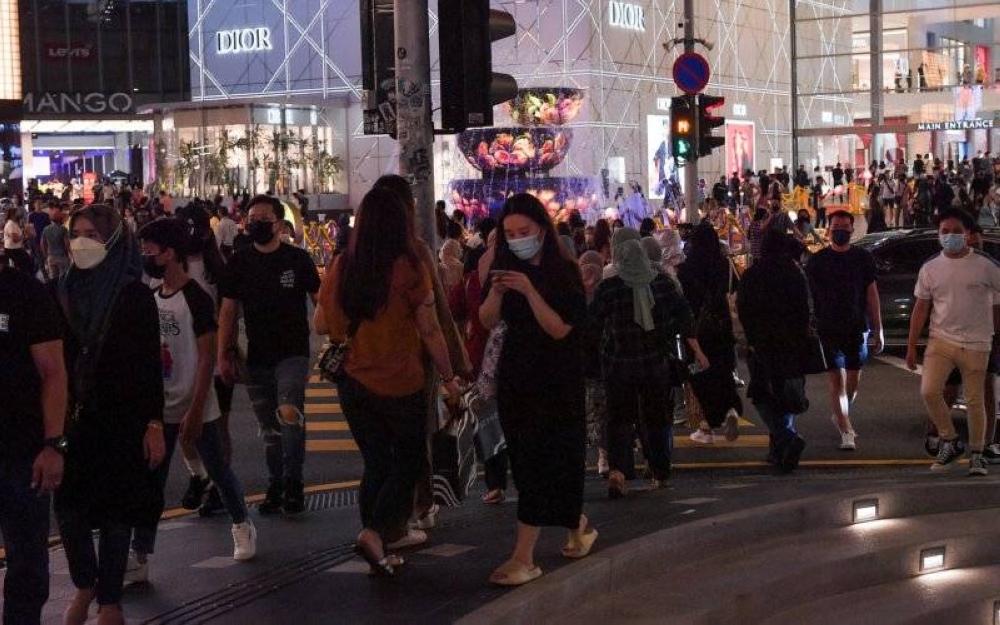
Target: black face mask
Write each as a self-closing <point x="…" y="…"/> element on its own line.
<point x="153" y="270"/>
<point x="841" y="236"/>
<point x="261" y="232"/>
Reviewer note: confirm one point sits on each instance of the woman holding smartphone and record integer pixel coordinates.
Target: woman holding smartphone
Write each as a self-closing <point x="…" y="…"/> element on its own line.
<point x="537" y="290"/>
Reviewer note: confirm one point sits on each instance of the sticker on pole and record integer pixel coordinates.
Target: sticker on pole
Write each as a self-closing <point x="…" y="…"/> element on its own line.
<point x="691" y="73"/>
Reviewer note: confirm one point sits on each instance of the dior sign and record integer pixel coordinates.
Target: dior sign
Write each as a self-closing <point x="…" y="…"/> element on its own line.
<point x="94" y="103"/>
<point x="243" y="40"/>
<point x="627" y="16"/>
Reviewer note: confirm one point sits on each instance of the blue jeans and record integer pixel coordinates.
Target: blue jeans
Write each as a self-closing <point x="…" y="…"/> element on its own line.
<point x="24" y="521"/>
<point x="284" y="384"/>
<point x="209" y="446"/>
<point x="781" y="426"/>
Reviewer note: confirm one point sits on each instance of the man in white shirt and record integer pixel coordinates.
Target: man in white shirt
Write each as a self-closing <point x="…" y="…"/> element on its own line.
<point x="225" y="233"/>
<point x="956" y="291"/>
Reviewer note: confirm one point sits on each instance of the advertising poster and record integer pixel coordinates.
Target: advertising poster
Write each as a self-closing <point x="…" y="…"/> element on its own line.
<point x="740" y="147"/>
<point x="658" y="158"/>
<point x="89" y="180"/>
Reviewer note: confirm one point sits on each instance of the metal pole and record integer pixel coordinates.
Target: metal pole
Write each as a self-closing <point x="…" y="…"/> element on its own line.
<point x="794" y="79"/>
<point x="691" y="167"/>
<point x="415" y="130"/>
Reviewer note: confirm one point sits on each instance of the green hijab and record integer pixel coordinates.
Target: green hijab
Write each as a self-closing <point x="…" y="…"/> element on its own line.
<point x="634" y="269"/>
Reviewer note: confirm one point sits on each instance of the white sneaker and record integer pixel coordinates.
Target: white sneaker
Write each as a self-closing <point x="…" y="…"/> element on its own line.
<point x="244" y="540"/>
<point x="137" y="569"/>
<point x="847" y="440"/>
<point x="412" y="539"/>
<point x="705" y="437"/>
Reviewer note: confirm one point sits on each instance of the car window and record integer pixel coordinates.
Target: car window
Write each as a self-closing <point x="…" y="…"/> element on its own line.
<point x="906" y="257"/>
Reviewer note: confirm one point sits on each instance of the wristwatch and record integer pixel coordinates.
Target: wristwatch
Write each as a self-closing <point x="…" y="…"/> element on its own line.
<point x="58" y="443"/>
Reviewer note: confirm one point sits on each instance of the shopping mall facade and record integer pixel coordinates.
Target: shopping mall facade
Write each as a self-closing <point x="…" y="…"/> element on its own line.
<point x="226" y="95"/>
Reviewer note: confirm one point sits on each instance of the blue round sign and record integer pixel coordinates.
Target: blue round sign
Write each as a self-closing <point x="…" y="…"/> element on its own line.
<point x="691" y="72"/>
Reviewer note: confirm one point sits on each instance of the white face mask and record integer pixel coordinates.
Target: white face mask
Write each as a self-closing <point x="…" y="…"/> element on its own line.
<point x="88" y="253"/>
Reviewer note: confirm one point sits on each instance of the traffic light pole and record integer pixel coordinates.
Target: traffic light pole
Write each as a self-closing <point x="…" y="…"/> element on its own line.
<point x="691" y="168"/>
<point x="415" y="128"/>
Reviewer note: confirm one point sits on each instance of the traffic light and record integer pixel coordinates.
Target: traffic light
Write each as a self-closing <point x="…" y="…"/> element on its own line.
<point x="707" y="120"/>
<point x="469" y="88"/>
<point x="682" y="129"/>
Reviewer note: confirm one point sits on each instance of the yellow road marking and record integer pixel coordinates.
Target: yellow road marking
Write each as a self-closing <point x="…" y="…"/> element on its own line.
<point x="746" y="424"/>
<point x="314" y="379"/>
<point x="331" y="445"/>
<point x="744" y="441"/>
<point x="323" y="409"/>
<point x="321" y="392"/>
<point x="326" y="426"/>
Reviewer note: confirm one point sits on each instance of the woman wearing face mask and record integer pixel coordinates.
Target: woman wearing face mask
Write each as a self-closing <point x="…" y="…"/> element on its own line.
<point x="538" y="292"/>
<point x="115" y="431"/>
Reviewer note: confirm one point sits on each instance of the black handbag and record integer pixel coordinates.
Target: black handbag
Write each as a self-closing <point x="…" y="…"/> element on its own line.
<point x="488" y="434"/>
<point x="333" y="355"/>
<point x="453" y="457"/>
<point x="814" y="357"/>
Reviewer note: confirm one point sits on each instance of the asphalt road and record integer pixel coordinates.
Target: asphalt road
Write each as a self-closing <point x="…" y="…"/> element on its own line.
<point x="888" y="417"/>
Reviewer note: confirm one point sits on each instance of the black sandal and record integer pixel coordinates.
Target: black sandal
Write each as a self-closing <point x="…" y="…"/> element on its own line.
<point x="379" y="568"/>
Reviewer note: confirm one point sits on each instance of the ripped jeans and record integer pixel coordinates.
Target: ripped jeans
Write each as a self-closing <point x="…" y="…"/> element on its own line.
<point x="274" y="390"/>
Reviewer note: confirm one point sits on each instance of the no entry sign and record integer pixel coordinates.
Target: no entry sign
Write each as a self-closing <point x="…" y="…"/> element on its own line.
<point x="691" y="72"/>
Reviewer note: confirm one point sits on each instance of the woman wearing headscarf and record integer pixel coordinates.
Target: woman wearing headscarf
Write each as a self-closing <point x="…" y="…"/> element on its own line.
<point x="620" y="236"/>
<point x="774" y="310"/>
<point x="115" y="431"/>
<point x="704" y="276"/>
<point x="536" y="289"/>
<point x="639" y="312"/>
<point x="591" y="269"/>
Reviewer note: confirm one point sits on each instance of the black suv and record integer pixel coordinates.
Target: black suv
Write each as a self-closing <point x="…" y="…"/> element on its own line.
<point x="899" y="254"/>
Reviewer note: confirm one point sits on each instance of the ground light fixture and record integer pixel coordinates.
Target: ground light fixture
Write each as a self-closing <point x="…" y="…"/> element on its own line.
<point x="865" y="510"/>
<point x="932" y="559"/>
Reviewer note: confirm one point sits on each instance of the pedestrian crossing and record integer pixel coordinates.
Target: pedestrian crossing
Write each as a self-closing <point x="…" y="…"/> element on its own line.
<point x="327" y="431"/>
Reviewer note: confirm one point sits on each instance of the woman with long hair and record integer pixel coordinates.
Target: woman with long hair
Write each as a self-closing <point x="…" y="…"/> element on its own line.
<point x="115" y="428"/>
<point x="537" y="290"/>
<point x="705" y="278"/>
<point x="379" y="292"/>
<point x="602" y="239"/>
<point x="425" y="510"/>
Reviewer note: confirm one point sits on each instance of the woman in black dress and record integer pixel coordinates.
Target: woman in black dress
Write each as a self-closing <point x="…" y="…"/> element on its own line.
<point x="704" y="276"/>
<point x="538" y="292"/>
<point x="115" y="431"/>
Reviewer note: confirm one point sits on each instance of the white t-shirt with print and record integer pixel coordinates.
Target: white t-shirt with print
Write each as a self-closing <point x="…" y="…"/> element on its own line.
<point x="184" y="316"/>
<point x="962" y="291"/>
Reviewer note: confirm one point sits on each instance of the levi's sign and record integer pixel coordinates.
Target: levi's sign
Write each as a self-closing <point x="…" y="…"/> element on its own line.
<point x="967" y="124"/>
<point x="625" y="15"/>
<point x="94" y="103"/>
<point x="243" y="40"/>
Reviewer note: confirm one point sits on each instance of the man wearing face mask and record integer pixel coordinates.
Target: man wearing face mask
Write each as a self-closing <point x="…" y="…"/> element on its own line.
<point x="956" y="290"/>
<point x="845" y="296"/>
<point x="272" y="281"/>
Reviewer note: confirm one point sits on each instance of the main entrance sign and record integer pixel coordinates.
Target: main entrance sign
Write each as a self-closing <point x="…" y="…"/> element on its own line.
<point x="243" y="40"/>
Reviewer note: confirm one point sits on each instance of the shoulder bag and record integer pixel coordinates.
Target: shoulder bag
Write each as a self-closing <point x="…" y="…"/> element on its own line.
<point x="333" y="355"/>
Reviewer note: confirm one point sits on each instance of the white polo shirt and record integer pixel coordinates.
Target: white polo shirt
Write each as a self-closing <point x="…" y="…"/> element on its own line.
<point x="963" y="291"/>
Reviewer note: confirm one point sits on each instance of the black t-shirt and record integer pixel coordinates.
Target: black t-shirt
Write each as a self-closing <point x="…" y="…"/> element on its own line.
<point x="28" y="316"/>
<point x="273" y="289"/>
<point x="839" y="283"/>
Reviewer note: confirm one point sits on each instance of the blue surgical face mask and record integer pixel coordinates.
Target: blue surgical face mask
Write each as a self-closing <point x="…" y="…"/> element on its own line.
<point x="952" y="243"/>
<point x="525" y="248"/>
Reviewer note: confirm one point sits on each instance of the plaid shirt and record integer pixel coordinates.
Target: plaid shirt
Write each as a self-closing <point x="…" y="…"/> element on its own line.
<point x="628" y="351"/>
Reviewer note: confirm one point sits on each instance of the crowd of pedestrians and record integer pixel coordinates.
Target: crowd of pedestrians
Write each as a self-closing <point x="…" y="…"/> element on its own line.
<point x="120" y="336"/>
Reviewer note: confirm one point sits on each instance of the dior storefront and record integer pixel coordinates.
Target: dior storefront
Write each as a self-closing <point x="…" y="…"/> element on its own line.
<point x="277" y="102"/>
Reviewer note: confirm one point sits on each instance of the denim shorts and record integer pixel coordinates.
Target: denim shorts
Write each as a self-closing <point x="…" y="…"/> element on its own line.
<point x="846" y="351"/>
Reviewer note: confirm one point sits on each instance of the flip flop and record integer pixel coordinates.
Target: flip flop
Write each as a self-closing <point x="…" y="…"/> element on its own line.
<point x="582" y="549"/>
<point x="512" y="573"/>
